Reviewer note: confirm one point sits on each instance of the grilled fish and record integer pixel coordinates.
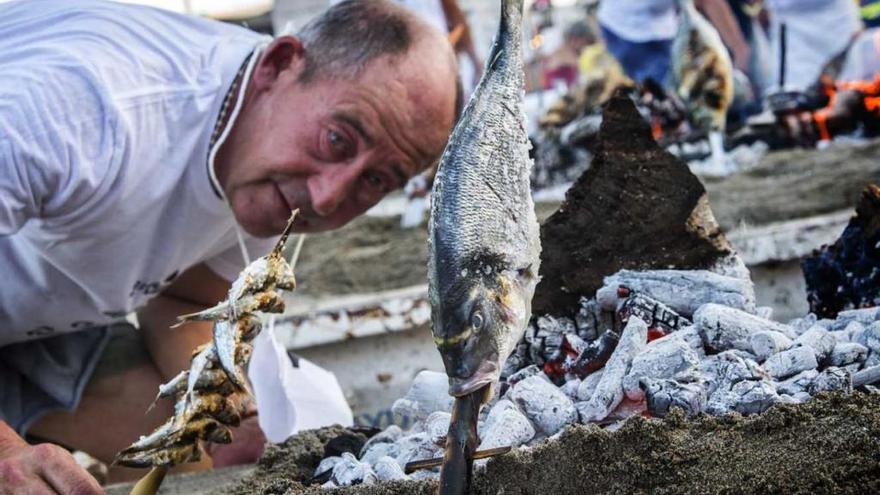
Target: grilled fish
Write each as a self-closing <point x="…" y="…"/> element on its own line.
<point x="484" y="243"/>
<point x="483" y="233"/>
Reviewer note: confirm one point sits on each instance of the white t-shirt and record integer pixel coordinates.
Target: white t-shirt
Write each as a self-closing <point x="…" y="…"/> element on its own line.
<point x="639" y="20"/>
<point x="106" y="112"/>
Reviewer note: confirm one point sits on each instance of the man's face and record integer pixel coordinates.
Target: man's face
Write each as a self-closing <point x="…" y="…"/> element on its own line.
<point x="332" y="147"/>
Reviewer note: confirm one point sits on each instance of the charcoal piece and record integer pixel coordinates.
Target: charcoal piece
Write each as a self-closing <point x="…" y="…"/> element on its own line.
<point x="524" y="373"/>
<point x="656" y="314"/>
<point x="683" y="291"/>
<point x="387" y="469"/>
<point x="831" y="378"/>
<point x="570" y="388"/>
<point x="594" y="356"/>
<point x="437" y="426"/>
<point x="790" y="362"/>
<point x="505" y="425"/>
<point x="429" y="392"/>
<point x="725" y="328"/>
<point x="844" y="275"/>
<point x="379" y="450"/>
<point x="543" y="404"/>
<point x="725" y="369"/>
<point x="664" y="394"/>
<point x="346" y="442"/>
<point x="588" y="385"/>
<point x="545" y="337"/>
<point x="349" y="471"/>
<point x="845" y="353"/>
<point x="798" y="383"/>
<point x="819" y="340"/>
<point x="754" y="396"/>
<point x="591" y="321"/>
<point x="609" y="390"/>
<point x="867" y="376"/>
<point x="416" y="447"/>
<point x="631" y="182"/>
<point x="325" y="469"/>
<point x="801" y="325"/>
<point x="870" y="338"/>
<point x="662" y="358"/>
<point x="766" y="343"/>
<point x="865" y="316"/>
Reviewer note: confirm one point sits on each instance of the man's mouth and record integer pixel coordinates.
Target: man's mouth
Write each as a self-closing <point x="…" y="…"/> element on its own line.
<point x="302" y="218"/>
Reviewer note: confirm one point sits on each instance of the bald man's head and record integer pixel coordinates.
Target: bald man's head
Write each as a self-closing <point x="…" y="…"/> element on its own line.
<point x="350" y="35"/>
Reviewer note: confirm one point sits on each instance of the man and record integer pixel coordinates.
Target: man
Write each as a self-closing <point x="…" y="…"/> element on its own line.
<point x="639" y="34"/>
<point x="141" y="153"/>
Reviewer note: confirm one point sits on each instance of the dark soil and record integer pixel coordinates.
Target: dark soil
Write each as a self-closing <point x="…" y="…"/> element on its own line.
<point x="828" y="445"/>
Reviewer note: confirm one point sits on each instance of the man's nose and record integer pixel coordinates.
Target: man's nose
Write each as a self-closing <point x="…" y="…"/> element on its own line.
<point x="331" y="188"/>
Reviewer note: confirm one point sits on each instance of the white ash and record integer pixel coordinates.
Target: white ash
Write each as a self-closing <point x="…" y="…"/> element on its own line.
<point x="864" y="316"/>
<point x="528" y="371"/>
<point x="831" y="378"/>
<point x="845" y="353"/>
<point x="853" y="368"/>
<point x="798" y="383"/>
<point x="570" y="387"/>
<point x="664" y="394"/>
<point x="870" y="337"/>
<point x="682" y="290"/>
<point x="387" y="469"/>
<point x="437" y="425"/>
<point x="588" y="385"/>
<point x="662" y="358"/>
<point x="724" y="328"/>
<point x="867" y="377"/>
<point x="691" y="336"/>
<point x="349" y="471"/>
<point x="754" y="396"/>
<point x="329" y="484"/>
<point x="327" y="464"/>
<point x="609" y="390"/>
<point x="544" y="404"/>
<point x="724" y="369"/>
<point x="388" y="435"/>
<point x="379" y="450"/>
<point x="591" y="320"/>
<point x="819" y="340"/>
<point x="801" y="325"/>
<point x="791" y="362"/>
<point x="428" y="393"/>
<point x="765" y="312"/>
<point x="765" y="343"/>
<point x="416" y="447"/>
<point x="506" y="425"/>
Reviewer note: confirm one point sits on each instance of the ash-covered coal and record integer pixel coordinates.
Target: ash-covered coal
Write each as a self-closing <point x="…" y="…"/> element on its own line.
<point x="642" y="350"/>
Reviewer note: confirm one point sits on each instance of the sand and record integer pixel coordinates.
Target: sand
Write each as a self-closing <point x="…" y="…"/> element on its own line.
<point x="828" y="445"/>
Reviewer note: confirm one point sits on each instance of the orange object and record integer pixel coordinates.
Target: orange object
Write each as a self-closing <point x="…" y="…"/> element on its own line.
<point x="821" y="119"/>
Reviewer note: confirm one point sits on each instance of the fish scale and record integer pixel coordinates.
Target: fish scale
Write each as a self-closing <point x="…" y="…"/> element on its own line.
<point x="484" y="246"/>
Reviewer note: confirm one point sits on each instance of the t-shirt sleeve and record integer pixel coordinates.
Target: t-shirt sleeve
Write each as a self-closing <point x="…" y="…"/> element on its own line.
<point x="57" y="146"/>
<point x="230" y="263"/>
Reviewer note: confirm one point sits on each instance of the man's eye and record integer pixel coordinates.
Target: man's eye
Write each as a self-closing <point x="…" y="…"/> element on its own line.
<point x="339" y="144"/>
<point x="376" y="181"/>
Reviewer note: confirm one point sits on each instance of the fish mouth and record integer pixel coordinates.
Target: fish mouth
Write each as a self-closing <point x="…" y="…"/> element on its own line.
<point x="486" y="374"/>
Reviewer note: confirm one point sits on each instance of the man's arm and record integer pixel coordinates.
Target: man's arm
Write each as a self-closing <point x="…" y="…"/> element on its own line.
<point x="719" y="14"/>
<point x="171" y="348"/>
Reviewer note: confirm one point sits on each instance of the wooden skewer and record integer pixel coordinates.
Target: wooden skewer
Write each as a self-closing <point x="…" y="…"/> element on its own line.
<point x="438" y="461"/>
<point x="149" y="484"/>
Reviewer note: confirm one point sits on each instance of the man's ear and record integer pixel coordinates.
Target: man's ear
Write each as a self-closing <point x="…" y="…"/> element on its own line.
<point x="283" y="53"/>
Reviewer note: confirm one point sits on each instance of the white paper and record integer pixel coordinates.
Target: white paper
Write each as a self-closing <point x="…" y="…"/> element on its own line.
<point x="291" y="399"/>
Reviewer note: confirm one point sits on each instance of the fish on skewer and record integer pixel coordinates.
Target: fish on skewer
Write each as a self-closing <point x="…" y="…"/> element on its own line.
<point x="702" y="75"/>
<point x="209" y="396"/>
<point x="484" y="242"/>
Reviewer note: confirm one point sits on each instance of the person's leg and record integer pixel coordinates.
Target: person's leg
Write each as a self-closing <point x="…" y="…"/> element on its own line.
<point x="112" y="410"/>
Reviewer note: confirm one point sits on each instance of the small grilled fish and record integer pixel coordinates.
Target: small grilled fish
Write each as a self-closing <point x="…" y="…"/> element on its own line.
<point x="484" y="242"/>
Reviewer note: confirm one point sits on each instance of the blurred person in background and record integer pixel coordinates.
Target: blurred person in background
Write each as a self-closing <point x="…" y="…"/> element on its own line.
<point x="639" y="34"/>
<point x="562" y="66"/>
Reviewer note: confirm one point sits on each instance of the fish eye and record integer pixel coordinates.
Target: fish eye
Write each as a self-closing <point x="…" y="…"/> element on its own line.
<point x="477" y="320"/>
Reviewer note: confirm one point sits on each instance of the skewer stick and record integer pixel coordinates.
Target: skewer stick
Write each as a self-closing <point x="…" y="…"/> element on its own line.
<point x="149" y="484"/>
